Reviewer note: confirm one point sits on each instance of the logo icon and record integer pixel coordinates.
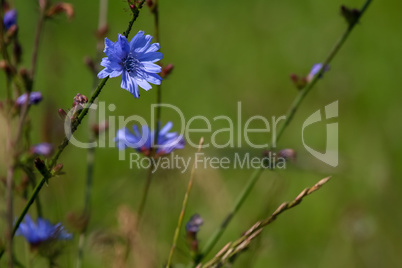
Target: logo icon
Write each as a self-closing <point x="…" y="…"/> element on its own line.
<point x="330" y="156"/>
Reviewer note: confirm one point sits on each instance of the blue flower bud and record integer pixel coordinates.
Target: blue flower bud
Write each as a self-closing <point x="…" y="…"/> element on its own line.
<point x="34" y="98"/>
<point x="10" y="18"/>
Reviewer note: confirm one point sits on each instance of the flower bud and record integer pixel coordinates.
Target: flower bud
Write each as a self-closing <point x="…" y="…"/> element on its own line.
<point x="24" y="73"/>
<point x="288" y="154"/>
<point x="39" y="164"/>
<point x="299" y="82"/>
<point x="192" y="228"/>
<point x="91" y="64"/>
<point x="102" y="32"/>
<point x="351" y="15"/>
<point x="80" y="100"/>
<point x="100" y="128"/>
<point x="12" y="31"/>
<point x="44" y="148"/>
<point x="34" y="98"/>
<point x="166" y="70"/>
<point x="316" y="70"/>
<point x="10" y="18"/>
<point x="57" y="170"/>
<point x="43" y="4"/>
<point x="60" y="8"/>
<point x="4" y="66"/>
<point x="62" y="113"/>
<point x="17" y="51"/>
<point x="78" y="104"/>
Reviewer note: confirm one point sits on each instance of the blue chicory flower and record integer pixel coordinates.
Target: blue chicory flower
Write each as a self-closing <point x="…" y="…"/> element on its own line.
<point x="194" y="224"/>
<point x="34" y="98"/>
<point x="135" y="61"/>
<point x="315" y="69"/>
<point x="10" y="18"/>
<point x="44" y="148"/>
<point x="166" y="141"/>
<point x="41" y="231"/>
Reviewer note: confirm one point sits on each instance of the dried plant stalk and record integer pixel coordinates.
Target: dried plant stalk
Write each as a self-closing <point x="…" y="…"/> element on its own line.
<point x="232" y="249"/>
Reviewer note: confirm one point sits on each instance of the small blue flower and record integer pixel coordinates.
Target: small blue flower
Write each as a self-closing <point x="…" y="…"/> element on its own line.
<point x="34" y="98"/>
<point x="166" y="141"/>
<point x="135" y="61"/>
<point x="10" y="18"/>
<point x="41" y="231"/>
<point x="44" y="148"/>
<point x="316" y="68"/>
<point x="194" y="224"/>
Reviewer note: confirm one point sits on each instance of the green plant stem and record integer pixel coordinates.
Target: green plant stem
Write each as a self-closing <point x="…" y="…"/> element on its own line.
<point x="140" y="211"/>
<point x="32" y="179"/>
<point x="13" y="145"/>
<point x="155" y="12"/>
<point x="65" y="142"/>
<point x="103" y="8"/>
<point x="289" y="116"/>
<point x="145" y="191"/>
<point x="144" y="197"/>
<point x="41" y="20"/>
<point x="183" y="208"/>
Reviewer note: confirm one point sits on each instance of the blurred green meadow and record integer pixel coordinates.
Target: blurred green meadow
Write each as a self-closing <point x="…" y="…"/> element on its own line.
<point x="225" y="52"/>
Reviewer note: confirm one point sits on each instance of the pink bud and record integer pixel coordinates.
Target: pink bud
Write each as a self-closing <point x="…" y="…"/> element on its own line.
<point x="166" y="70"/>
<point x="62" y="114"/>
<point x="60" y="8"/>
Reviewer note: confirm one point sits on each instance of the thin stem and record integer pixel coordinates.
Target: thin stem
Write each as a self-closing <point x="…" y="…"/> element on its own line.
<point x="65" y="142"/>
<point x="289" y="116"/>
<point x="140" y="211"/>
<point x="81" y="243"/>
<point x="32" y="179"/>
<point x="12" y="146"/>
<point x="184" y="206"/>
<point x="9" y="194"/>
<point x="38" y="33"/>
<point x="155" y="12"/>
<point x="21" y="122"/>
<point x="103" y="8"/>
<point x="25" y="107"/>
<point x="10" y="216"/>
<point x="148" y="181"/>
<point x="144" y="197"/>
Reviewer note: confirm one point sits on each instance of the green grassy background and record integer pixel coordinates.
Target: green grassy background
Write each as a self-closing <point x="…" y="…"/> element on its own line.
<point x="225" y="52"/>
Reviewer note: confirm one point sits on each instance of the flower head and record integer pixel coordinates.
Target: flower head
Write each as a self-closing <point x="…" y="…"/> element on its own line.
<point x="194" y="224"/>
<point x="44" y="148"/>
<point x="315" y="69"/>
<point x="10" y="18"/>
<point x="142" y="142"/>
<point x="41" y="231"/>
<point x="192" y="228"/>
<point x="34" y="98"/>
<point x="135" y="61"/>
